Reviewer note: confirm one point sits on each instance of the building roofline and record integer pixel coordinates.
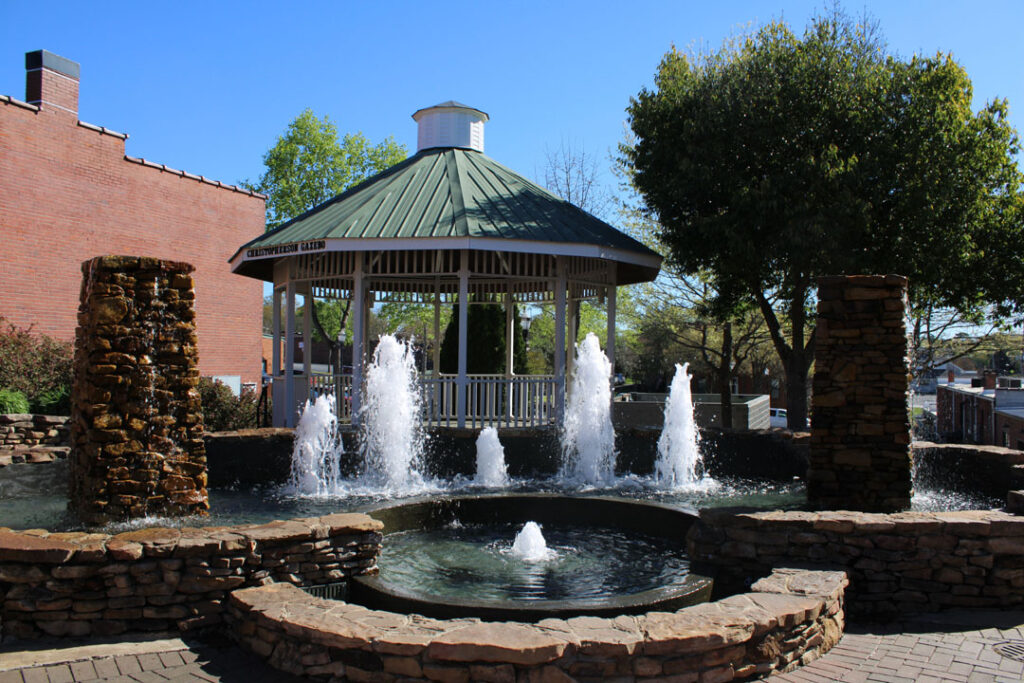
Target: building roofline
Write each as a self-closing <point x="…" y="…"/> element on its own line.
<point x="102" y="130"/>
<point x="185" y="174"/>
<point x="7" y="99"/>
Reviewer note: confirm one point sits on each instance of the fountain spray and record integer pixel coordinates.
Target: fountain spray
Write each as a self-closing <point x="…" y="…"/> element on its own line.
<point x="588" y="440"/>
<point x="678" y="452"/>
<point x="392" y="435"/>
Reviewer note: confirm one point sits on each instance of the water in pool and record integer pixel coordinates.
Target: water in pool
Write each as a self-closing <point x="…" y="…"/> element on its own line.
<point x="35" y="496"/>
<point x="477" y="561"/>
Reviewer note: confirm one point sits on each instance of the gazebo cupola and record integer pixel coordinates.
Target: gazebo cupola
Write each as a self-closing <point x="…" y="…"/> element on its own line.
<point x="447" y="225"/>
<point x="450" y="124"/>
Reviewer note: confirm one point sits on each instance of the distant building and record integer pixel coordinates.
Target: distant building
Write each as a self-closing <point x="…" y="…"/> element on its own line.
<point x="68" y="192"/>
<point x="988" y="410"/>
<point x="928" y="381"/>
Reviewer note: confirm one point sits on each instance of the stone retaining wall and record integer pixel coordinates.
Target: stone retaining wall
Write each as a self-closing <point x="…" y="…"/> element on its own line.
<point x="990" y="470"/>
<point x="79" y="584"/>
<point x="788" y="619"/>
<point x="896" y="563"/>
<point x="33" y="438"/>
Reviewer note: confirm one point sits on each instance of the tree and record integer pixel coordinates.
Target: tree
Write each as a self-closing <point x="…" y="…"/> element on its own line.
<point x="309" y="165"/>
<point x="941" y="335"/>
<point x="573" y="174"/>
<point x="778" y="159"/>
<point x="685" y="315"/>
<point x="485" y="353"/>
<point x="685" y="311"/>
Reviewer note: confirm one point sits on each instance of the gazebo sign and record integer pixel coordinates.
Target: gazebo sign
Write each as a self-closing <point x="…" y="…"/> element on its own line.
<point x="279" y="249"/>
<point x="446" y="226"/>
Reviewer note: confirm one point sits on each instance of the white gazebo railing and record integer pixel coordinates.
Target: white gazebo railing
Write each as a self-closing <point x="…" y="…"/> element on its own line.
<point x="518" y="401"/>
<point x="338" y="385"/>
<point x="491" y="400"/>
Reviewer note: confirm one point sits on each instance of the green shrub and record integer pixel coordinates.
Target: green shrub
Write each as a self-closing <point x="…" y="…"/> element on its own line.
<point x="34" y="365"/>
<point x="223" y="411"/>
<point x="55" y="401"/>
<point x="12" y="401"/>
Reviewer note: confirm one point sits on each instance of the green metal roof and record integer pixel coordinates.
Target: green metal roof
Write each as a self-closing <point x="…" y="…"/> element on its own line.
<point x="446" y="193"/>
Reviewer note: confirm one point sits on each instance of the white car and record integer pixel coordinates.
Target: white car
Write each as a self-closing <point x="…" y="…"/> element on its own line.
<point x="777" y="417"/>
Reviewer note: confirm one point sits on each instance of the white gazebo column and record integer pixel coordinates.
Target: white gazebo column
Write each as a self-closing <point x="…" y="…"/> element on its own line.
<point x="437" y="329"/>
<point x="275" y="368"/>
<point x="289" y="356"/>
<point x="367" y="309"/>
<point x="560" y="341"/>
<point x="570" y="350"/>
<point x="510" y="336"/>
<point x="510" y="354"/>
<point x="307" y="336"/>
<point x="461" y="381"/>
<point x="276" y="375"/>
<point x="609" y="349"/>
<point x="357" y="301"/>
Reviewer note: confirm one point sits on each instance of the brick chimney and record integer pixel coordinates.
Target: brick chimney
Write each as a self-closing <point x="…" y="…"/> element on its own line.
<point x="51" y="82"/>
<point x="950" y="376"/>
<point x="990" y="379"/>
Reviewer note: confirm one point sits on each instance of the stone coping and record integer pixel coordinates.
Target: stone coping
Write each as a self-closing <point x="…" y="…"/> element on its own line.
<point x="1012" y="456"/>
<point x="897" y="563"/>
<point x="790" y="617"/>
<point x="958" y="522"/>
<point x="39" y="546"/>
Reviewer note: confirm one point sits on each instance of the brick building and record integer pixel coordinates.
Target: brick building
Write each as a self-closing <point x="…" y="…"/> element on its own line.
<point x="69" y="192"/>
<point x="989" y="410"/>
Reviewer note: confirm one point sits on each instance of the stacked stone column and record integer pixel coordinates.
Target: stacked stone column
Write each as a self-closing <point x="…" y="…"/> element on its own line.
<point x="137" y="426"/>
<point x="860" y="434"/>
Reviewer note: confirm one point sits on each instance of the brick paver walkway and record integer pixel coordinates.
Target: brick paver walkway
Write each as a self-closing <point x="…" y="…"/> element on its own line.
<point x="205" y="661"/>
<point x="929" y="649"/>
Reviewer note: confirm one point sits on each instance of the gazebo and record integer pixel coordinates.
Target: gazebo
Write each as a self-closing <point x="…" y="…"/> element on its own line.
<point x="446" y="225"/>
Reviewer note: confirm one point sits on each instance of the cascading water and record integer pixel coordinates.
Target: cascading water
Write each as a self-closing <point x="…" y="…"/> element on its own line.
<point x="530" y="545"/>
<point x="678" y="451"/>
<point x="317" y="451"/>
<point x="588" y="440"/>
<point x="391" y="435"/>
<point x="490" y="460"/>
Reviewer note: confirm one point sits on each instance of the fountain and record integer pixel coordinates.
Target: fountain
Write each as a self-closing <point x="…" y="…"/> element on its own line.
<point x="317" y="452"/>
<point x="529" y="544"/>
<point x="588" y="440"/>
<point x="490" y="460"/>
<point x="391" y="436"/>
<point x="597" y="556"/>
<point x="678" y="447"/>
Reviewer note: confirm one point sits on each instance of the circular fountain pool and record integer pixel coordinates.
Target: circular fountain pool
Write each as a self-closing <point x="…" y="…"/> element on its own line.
<point x="453" y="557"/>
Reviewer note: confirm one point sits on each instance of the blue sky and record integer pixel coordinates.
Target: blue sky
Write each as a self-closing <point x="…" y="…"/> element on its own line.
<point x="207" y="87"/>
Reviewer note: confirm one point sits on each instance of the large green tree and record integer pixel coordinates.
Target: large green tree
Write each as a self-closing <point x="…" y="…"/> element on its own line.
<point x="310" y="164"/>
<point x="780" y="158"/>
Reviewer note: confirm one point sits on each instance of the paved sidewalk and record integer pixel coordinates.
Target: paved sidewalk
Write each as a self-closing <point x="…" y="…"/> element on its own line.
<point x="951" y="646"/>
<point x="954" y="646"/>
<point x="149" y="661"/>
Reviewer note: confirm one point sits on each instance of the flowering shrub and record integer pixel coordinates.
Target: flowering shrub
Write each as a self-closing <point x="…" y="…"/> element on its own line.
<point x="36" y="365"/>
<point x="223" y="411"/>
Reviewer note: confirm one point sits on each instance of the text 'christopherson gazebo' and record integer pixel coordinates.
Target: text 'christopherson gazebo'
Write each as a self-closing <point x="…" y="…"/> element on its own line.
<point x="447" y="225"/>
